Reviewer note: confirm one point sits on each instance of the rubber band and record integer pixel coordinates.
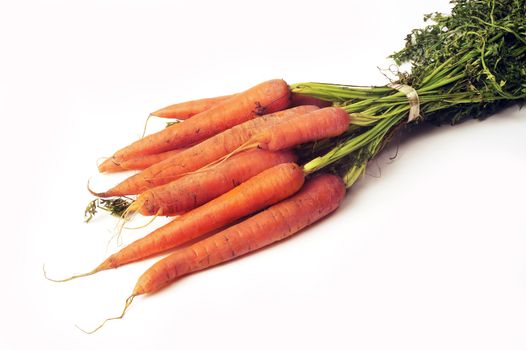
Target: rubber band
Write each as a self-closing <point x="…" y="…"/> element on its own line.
<point x="412" y="96"/>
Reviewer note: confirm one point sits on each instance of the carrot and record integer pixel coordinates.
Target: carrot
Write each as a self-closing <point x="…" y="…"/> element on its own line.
<point x="200" y="155"/>
<point x="316" y="125"/>
<point x="319" y="197"/>
<point x="261" y="191"/>
<point x="313" y="126"/>
<point x="188" y="109"/>
<point x="139" y="163"/>
<point x="267" y="97"/>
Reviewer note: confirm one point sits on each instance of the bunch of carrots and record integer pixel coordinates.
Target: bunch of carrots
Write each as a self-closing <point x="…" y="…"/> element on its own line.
<point x="260" y="165"/>
<point x="230" y="158"/>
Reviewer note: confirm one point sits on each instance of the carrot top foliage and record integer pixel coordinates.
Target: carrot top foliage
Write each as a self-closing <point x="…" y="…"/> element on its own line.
<point x="468" y="64"/>
<point x="487" y="39"/>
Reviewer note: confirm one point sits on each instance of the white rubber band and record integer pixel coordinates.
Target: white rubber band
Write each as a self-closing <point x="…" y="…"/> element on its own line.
<point x="412" y="96"/>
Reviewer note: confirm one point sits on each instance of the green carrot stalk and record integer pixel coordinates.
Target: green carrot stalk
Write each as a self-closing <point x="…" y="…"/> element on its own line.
<point x="469" y="64"/>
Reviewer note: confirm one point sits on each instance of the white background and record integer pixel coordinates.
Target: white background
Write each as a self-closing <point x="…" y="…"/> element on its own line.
<point x="428" y="251"/>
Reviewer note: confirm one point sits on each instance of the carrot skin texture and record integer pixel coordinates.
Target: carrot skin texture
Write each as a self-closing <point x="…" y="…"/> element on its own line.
<point x="201" y="154"/>
<point x="319" y="197"/>
<point x="267" y="97"/>
<point x="139" y="163"/>
<point x="193" y="190"/>
<point x="316" y="125"/>
<point x="185" y="110"/>
<point x="261" y="191"/>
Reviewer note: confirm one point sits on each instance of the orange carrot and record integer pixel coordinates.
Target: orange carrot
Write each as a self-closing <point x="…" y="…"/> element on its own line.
<point x="200" y="155"/>
<point x="267" y="97"/>
<point x="319" y="197"/>
<point x="193" y="190"/>
<point x="185" y="110"/>
<point x="313" y="126"/>
<point x="259" y="192"/>
<point x="188" y="109"/>
<point x="139" y="163"/>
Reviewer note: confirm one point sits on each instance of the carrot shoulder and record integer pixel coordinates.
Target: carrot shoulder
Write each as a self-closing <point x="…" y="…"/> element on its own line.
<point x="319" y="197"/>
<point x="185" y="110"/>
<point x="267" y="97"/>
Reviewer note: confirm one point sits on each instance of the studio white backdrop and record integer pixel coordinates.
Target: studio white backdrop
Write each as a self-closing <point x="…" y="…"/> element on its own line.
<point x="428" y="250"/>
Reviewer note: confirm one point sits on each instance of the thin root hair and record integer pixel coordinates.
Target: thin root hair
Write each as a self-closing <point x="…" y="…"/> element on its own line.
<point x="69" y="278"/>
<point x="127" y="304"/>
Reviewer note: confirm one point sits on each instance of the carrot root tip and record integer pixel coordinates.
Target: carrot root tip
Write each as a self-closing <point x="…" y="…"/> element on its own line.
<point x="97" y="194"/>
<point x="146" y="124"/>
<point x="100" y="160"/>
<point x="94" y="271"/>
<point x="127" y="304"/>
<point x="103" y="166"/>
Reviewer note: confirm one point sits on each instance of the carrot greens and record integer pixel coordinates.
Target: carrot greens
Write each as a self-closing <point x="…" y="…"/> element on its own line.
<point x="468" y="64"/>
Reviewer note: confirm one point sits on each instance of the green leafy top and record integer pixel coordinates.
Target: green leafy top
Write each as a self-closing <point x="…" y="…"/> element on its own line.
<point x="465" y="65"/>
<point x="483" y="42"/>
